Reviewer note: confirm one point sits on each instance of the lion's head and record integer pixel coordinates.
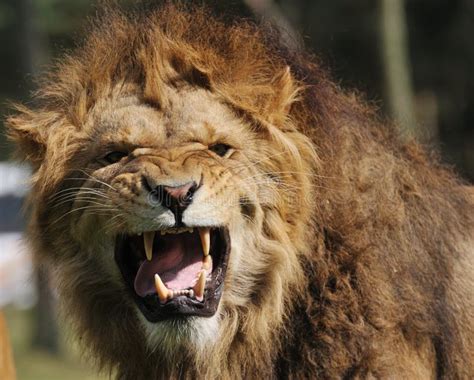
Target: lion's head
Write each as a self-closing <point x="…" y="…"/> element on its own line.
<point x="171" y="187"/>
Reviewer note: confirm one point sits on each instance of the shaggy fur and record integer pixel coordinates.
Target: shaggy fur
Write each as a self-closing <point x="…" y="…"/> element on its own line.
<point x="352" y="250"/>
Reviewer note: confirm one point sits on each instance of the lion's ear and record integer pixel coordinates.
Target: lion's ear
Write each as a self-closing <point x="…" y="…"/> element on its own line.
<point x="28" y="132"/>
<point x="286" y="93"/>
<point x="201" y="77"/>
<point x="191" y="71"/>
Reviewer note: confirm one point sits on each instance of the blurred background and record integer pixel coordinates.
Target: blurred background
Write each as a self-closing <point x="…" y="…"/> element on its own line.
<point x="413" y="59"/>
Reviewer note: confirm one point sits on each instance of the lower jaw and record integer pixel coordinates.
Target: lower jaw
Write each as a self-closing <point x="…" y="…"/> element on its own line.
<point x="178" y="308"/>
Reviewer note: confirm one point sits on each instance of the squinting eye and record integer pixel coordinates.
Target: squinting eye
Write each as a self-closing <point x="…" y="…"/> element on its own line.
<point x="113" y="157"/>
<point x="220" y="149"/>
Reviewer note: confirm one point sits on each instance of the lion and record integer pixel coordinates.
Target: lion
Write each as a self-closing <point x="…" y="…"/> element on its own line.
<point x="212" y="205"/>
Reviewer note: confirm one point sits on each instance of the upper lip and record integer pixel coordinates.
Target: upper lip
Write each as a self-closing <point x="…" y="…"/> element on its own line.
<point x="201" y="297"/>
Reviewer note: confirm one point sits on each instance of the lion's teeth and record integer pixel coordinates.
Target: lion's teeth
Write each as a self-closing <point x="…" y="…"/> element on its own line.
<point x="181" y="292"/>
<point x="200" y="285"/>
<point x="161" y="289"/>
<point x="207" y="263"/>
<point x="148" y="238"/>
<point x="205" y="235"/>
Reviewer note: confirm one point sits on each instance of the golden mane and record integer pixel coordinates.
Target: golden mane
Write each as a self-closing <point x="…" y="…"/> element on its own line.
<point x="376" y="279"/>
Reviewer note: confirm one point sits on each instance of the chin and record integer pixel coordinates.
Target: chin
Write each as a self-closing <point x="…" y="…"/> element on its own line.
<point x="167" y="337"/>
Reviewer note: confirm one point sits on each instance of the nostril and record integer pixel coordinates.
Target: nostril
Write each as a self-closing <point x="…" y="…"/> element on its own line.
<point x="190" y="193"/>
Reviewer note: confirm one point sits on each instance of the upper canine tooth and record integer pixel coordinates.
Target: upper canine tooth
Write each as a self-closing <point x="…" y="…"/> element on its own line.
<point x="207" y="262"/>
<point x="161" y="289"/>
<point x="148" y="238"/>
<point x="205" y="235"/>
<point x="200" y="286"/>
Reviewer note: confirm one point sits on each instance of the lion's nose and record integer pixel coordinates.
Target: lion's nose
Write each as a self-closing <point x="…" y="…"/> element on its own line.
<point x="181" y="193"/>
<point x="176" y="198"/>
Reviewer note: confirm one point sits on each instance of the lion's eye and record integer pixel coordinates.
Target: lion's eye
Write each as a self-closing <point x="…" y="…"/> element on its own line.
<point x="113" y="157"/>
<point x="220" y="149"/>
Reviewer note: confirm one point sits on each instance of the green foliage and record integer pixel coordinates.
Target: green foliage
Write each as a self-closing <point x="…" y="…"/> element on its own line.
<point x="58" y="17"/>
<point x="36" y="365"/>
<point x="6" y="15"/>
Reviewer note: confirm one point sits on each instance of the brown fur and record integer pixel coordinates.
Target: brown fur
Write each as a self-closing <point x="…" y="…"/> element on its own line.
<point x="360" y="266"/>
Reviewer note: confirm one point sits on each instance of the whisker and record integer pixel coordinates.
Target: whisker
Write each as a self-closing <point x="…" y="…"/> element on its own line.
<point x="245" y="165"/>
<point x="77" y="199"/>
<point x="113" y="223"/>
<point x="309" y="174"/>
<point x="75" y="189"/>
<point x="85" y="196"/>
<point x="281" y="185"/>
<point x="89" y="200"/>
<point x="90" y="207"/>
<point x="98" y="180"/>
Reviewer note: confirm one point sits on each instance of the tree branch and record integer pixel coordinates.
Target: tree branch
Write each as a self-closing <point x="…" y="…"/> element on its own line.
<point x="396" y="63"/>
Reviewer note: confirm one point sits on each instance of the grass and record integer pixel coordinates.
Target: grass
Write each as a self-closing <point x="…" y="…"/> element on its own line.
<point x="33" y="364"/>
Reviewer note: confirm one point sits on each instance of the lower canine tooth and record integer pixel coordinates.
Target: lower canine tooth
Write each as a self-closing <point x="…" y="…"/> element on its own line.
<point x="163" y="292"/>
<point x="200" y="286"/>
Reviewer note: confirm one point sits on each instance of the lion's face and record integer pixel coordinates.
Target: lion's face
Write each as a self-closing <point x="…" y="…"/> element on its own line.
<point x="172" y="202"/>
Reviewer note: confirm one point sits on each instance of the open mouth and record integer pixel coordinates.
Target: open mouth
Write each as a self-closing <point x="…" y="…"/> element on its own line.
<point x="175" y="272"/>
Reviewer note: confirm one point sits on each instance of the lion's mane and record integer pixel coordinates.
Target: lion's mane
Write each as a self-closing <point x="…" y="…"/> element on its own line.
<point x="381" y="281"/>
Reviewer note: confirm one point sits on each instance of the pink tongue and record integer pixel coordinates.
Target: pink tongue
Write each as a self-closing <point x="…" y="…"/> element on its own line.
<point x="177" y="260"/>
